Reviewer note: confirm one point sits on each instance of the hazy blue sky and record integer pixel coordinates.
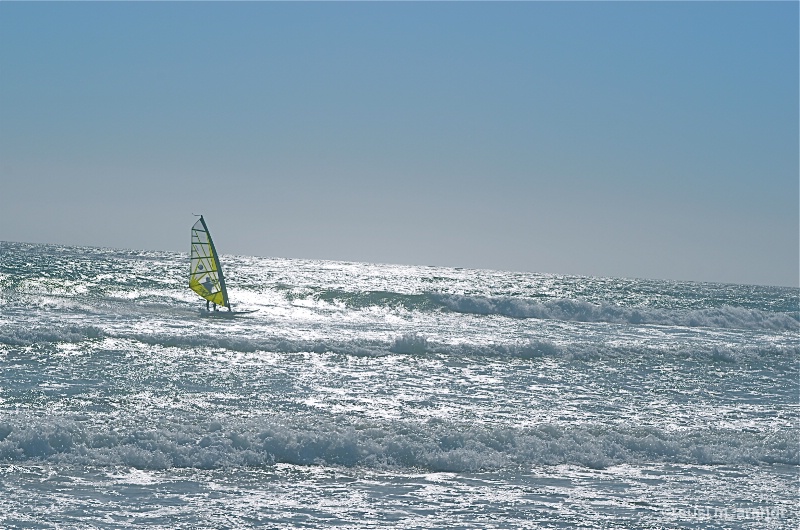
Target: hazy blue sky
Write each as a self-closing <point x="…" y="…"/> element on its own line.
<point x="625" y="139"/>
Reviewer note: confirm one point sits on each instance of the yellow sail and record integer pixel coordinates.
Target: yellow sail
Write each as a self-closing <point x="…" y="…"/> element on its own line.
<point x="205" y="274"/>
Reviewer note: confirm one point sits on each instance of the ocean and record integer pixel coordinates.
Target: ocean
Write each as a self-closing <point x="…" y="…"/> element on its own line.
<point x="388" y="396"/>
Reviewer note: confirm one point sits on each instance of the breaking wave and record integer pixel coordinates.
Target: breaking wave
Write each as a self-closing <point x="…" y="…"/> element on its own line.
<point x="569" y="310"/>
<point x="24" y="336"/>
<point x="581" y="311"/>
<point x="432" y="445"/>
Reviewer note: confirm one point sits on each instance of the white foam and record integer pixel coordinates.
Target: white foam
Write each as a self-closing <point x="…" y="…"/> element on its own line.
<point x="26" y="336"/>
<point x="433" y="445"/>
<point x="582" y="311"/>
<point x="410" y="343"/>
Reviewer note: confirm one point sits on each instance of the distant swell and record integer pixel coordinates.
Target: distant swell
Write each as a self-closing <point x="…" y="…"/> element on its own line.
<point x="417" y="344"/>
<point x="432" y="445"/>
<point x="411" y="343"/>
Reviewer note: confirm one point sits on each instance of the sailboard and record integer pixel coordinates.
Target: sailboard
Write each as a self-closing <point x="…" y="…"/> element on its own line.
<point x="205" y="272"/>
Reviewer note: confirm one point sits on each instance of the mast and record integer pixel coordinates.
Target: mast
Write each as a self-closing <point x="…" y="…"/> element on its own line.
<point x="218" y="265"/>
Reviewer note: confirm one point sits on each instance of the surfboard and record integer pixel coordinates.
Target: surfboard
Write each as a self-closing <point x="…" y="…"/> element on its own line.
<point x="226" y="313"/>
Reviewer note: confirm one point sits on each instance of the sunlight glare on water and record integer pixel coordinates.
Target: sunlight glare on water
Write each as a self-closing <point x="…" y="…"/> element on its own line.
<point x="363" y="395"/>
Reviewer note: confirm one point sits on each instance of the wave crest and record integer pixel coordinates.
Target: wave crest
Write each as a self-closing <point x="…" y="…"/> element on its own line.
<point x="568" y="309"/>
<point x="24" y="336"/>
<point x="582" y="311"/>
<point x="433" y="445"/>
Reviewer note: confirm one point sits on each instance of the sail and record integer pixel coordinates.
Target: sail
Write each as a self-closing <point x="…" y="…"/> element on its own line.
<point x="205" y="271"/>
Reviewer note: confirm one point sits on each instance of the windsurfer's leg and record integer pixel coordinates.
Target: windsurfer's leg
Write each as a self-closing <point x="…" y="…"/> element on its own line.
<point x="207" y="307"/>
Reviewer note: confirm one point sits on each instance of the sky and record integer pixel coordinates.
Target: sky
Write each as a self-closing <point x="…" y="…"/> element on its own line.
<point x="623" y="139"/>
